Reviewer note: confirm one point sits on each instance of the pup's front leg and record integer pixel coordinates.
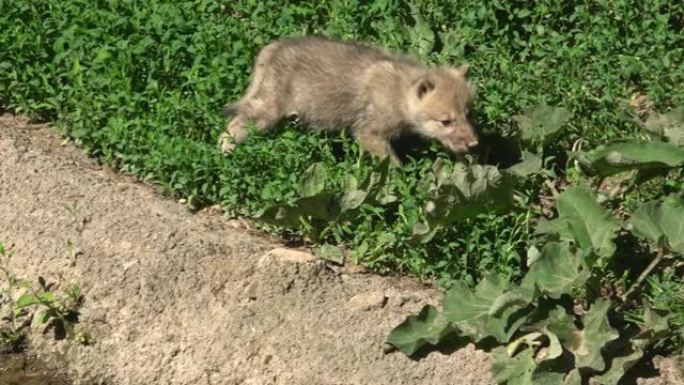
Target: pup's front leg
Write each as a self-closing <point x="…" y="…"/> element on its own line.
<point x="236" y="132"/>
<point x="377" y="145"/>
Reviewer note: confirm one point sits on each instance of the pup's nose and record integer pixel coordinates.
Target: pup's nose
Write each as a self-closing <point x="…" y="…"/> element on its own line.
<point x="472" y="143"/>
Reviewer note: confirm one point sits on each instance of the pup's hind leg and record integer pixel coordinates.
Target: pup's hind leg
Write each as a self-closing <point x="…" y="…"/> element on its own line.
<point x="236" y="132"/>
<point x="261" y="105"/>
<point x="262" y="115"/>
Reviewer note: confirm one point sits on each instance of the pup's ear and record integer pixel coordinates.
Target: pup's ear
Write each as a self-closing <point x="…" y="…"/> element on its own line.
<point x="425" y="85"/>
<point x="462" y="70"/>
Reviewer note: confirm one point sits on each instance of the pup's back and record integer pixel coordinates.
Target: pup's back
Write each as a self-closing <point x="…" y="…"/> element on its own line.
<point x="322" y="80"/>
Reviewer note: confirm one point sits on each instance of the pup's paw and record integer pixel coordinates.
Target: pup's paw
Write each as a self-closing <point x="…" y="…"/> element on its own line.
<point x="226" y="143"/>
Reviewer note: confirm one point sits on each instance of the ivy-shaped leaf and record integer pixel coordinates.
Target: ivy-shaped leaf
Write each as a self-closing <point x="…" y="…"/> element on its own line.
<point x="420" y="35"/>
<point x="621" y="362"/>
<point x="556" y="371"/>
<point x="377" y="179"/>
<point x="540" y="123"/>
<point x="463" y="192"/>
<point x="591" y="225"/>
<point x="669" y="126"/>
<point x="26" y="300"/>
<point x="628" y="350"/>
<point x="595" y="335"/>
<point x="313" y="180"/>
<point x="573" y="378"/>
<point x="428" y="327"/>
<point x="516" y="370"/>
<point x="352" y="200"/>
<point x="330" y="253"/>
<point x="661" y="223"/>
<point x="528" y="165"/>
<point x="557" y="271"/>
<point x="479" y="313"/>
<point x="632" y="154"/>
<point x="582" y="220"/>
<point x="323" y="205"/>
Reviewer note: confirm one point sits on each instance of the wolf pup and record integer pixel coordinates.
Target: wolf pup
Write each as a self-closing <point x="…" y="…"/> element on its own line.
<point x="330" y="85"/>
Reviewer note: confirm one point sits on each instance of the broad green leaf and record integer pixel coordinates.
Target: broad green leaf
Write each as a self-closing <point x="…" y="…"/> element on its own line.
<point x="26" y="300"/>
<point x="626" y="352"/>
<point x="463" y="192"/>
<point x="505" y="301"/>
<point x="555" y="346"/>
<point x="479" y="312"/>
<point x="349" y="183"/>
<point x="597" y="333"/>
<point x="551" y="228"/>
<point x="661" y="223"/>
<point x="573" y="378"/>
<point x="621" y="362"/>
<point x="516" y="370"/>
<point x="561" y="325"/>
<point x="656" y="324"/>
<point x="669" y="126"/>
<point x="423" y="232"/>
<point x="645" y="222"/>
<point x="530" y="164"/>
<point x="321" y="206"/>
<point x="632" y="154"/>
<point x="539" y="124"/>
<point x="530" y="339"/>
<point x="558" y="325"/>
<point x="44" y="317"/>
<point x="313" y="180"/>
<point x="351" y="200"/>
<point x="533" y="255"/>
<point x="586" y="222"/>
<point x="330" y="253"/>
<point x="377" y="178"/>
<point x="420" y="34"/>
<point x="325" y="206"/>
<point x="557" y="271"/>
<point x="453" y="42"/>
<point x="441" y="173"/>
<point x="483" y="185"/>
<point x="47" y="296"/>
<point x="556" y="371"/>
<point x="428" y="327"/>
<point x="386" y="195"/>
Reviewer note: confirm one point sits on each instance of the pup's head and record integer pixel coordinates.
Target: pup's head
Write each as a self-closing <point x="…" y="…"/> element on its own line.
<point x="438" y="106"/>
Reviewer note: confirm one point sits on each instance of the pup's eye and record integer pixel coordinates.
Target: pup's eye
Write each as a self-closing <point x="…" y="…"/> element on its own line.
<point x="446" y="122"/>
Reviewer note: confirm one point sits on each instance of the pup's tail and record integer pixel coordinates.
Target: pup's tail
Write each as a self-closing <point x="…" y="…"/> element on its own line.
<point x="231" y="109"/>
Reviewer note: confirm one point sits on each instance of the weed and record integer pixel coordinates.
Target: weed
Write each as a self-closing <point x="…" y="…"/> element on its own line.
<point x="21" y="302"/>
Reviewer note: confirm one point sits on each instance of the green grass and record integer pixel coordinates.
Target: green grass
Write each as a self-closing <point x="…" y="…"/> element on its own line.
<point x="667" y="292"/>
<point x="141" y="84"/>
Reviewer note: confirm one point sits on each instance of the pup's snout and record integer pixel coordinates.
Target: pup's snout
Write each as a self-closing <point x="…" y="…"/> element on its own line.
<point x="469" y="136"/>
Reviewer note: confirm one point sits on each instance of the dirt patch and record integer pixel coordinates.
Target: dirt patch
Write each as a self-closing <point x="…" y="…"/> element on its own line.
<point x="23" y="369"/>
<point x="180" y="298"/>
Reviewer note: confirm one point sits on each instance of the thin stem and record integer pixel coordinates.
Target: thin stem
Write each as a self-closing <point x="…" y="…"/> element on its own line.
<point x="660" y="254"/>
<point x="552" y="188"/>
